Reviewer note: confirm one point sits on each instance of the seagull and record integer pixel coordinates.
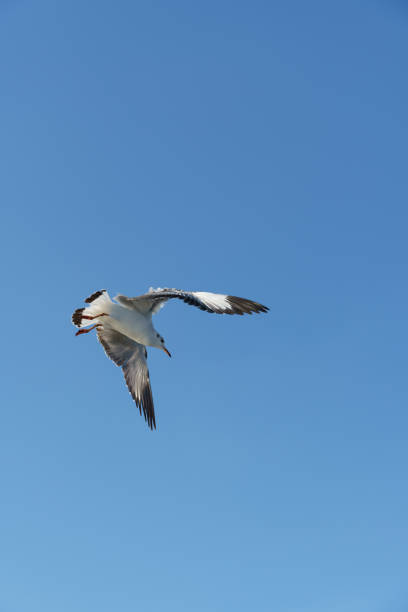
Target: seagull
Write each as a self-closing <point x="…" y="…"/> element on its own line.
<point x="124" y="328"/>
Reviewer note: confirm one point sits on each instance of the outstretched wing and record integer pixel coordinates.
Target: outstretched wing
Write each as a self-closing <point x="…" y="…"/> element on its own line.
<point x="210" y="302"/>
<point x="131" y="356"/>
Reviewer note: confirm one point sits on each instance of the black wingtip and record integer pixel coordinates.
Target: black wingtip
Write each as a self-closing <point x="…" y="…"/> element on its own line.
<point x="243" y="306"/>
<point x="94" y="296"/>
<point x="77" y="317"/>
<point x="144" y="402"/>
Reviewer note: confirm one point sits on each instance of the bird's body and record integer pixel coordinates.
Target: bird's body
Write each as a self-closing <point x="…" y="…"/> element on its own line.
<point x="125" y="328"/>
<point x="132" y="323"/>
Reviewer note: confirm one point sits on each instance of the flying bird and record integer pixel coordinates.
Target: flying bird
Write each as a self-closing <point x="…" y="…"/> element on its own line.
<point x="124" y="328"/>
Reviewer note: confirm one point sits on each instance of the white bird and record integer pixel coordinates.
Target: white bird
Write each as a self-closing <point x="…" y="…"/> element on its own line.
<point x="125" y="328"/>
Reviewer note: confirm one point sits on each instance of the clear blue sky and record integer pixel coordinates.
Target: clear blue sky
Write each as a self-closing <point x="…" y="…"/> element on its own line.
<point x="256" y="148"/>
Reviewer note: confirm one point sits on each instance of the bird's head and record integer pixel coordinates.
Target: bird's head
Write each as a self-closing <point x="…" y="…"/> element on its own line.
<point x="159" y="343"/>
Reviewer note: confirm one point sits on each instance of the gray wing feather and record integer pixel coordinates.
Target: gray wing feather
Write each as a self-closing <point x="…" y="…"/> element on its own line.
<point x="210" y="302"/>
<point x="131" y="357"/>
<point x="142" y="303"/>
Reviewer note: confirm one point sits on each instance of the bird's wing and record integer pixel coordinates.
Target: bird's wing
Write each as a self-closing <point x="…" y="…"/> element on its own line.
<point x="210" y="302"/>
<point x="131" y="356"/>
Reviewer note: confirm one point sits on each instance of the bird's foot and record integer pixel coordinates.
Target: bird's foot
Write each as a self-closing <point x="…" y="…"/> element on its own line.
<point x="86" y="331"/>
<point x="103" y="314"/>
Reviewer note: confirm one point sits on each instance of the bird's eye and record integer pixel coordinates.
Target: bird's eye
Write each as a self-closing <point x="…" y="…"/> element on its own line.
<point x="162" y="340"/>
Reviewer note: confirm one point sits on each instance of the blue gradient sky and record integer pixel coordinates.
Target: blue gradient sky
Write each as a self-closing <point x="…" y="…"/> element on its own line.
<point x="256" y="148"/>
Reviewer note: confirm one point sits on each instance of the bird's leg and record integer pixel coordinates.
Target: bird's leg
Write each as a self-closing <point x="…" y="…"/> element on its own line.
<point x="103" y="314"/>
<point x="86" y="331"/>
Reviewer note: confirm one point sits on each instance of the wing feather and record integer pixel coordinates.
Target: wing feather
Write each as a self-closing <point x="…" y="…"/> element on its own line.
<point x="131" y="357"/>
<point x="210" y="302"/>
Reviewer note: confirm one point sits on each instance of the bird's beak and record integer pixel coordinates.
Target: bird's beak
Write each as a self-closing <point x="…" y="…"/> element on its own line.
<point x="166" y="351"/>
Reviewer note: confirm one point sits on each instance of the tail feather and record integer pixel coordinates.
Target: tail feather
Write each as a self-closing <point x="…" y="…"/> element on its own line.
<point x="99" y="302"/>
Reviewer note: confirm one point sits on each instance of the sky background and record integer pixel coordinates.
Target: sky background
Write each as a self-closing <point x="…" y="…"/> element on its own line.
<point x="254" y="148"/>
